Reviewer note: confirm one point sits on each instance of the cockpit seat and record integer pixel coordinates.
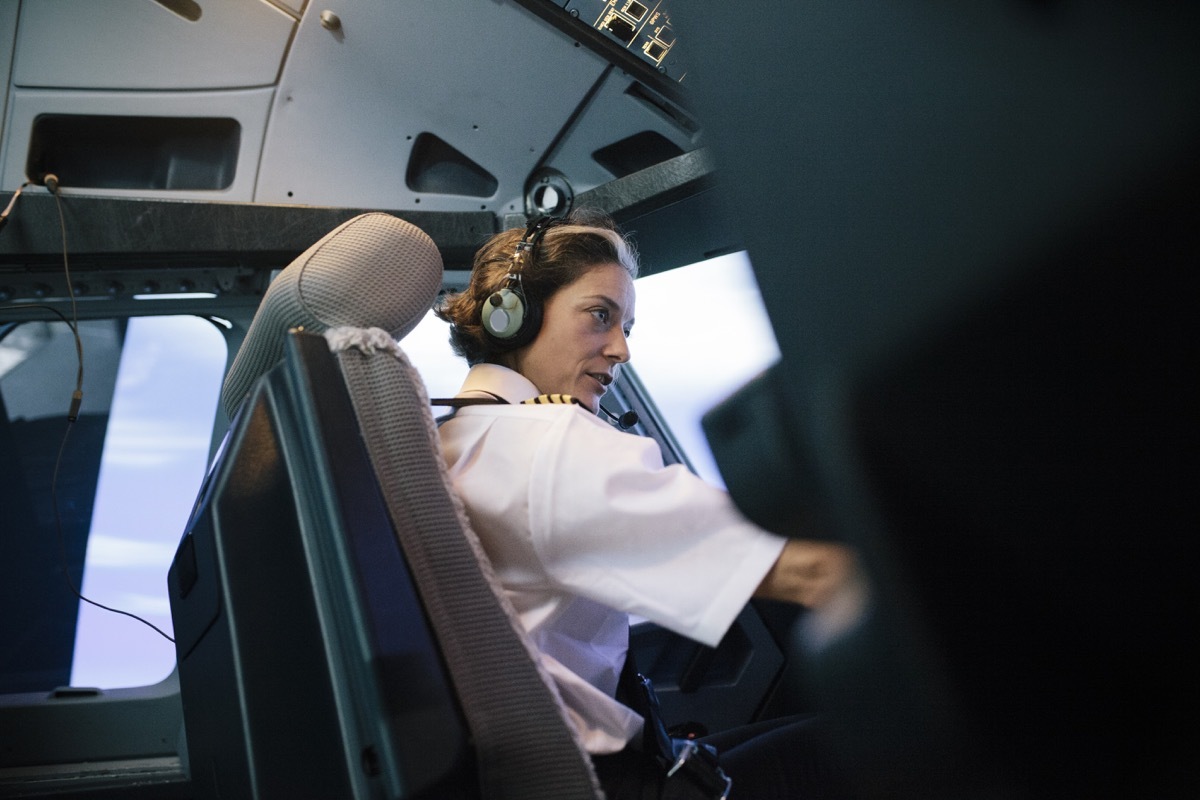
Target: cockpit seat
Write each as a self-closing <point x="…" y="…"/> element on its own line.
<point x="308" y="411"/>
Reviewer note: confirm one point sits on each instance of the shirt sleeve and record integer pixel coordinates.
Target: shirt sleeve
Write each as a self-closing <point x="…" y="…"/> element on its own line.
<point x="611" y="523"/>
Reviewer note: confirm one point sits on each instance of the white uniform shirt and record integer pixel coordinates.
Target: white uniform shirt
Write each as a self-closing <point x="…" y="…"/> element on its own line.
<point x="584" y="526"/>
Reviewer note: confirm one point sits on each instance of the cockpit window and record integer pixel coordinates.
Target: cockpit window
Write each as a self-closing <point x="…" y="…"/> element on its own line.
<point x="101" y="501"/>
<point x="428" y="347"/>
<point x="702" y="332"/>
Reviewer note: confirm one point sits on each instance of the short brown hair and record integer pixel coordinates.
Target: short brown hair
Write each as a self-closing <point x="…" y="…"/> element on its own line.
<point x="566" y="250"/>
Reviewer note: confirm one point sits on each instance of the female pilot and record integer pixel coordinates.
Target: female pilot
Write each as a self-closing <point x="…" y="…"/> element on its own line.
<point x="582" y="522"/>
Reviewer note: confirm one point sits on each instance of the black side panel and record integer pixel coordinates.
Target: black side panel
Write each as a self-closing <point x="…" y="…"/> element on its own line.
<point x="258" y="671"/>
<point x="709" y="689"/>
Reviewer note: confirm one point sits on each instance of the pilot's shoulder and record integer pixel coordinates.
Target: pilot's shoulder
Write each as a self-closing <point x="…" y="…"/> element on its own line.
<point x="552" y="399"/>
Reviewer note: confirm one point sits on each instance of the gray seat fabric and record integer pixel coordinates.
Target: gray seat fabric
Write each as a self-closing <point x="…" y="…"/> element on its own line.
<point x="525" y="745"/>
<point x="375" y="270"/>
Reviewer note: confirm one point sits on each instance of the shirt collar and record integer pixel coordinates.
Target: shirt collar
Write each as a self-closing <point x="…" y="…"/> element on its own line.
<point x="495" y="379"/>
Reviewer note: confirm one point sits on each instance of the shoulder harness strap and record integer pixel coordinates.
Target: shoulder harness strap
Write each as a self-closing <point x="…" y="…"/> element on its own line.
<point x="497" y="400"/>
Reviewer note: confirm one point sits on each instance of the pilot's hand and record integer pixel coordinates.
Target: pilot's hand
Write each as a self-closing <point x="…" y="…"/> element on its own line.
<point x="811" y="573"/>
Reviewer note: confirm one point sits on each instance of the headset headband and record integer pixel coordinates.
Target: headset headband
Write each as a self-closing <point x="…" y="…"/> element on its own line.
<point x="508" y="317"/>
<point x="529" y="242"/>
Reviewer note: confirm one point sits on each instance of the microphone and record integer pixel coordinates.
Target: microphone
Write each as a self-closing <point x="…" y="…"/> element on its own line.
<point x="624" y="421"/>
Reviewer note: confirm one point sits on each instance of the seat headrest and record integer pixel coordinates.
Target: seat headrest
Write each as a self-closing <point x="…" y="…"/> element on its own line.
<point x="373" y="271"/>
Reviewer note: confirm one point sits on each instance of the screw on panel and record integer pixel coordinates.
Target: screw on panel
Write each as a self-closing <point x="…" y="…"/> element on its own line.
<point x="330" y="21"/>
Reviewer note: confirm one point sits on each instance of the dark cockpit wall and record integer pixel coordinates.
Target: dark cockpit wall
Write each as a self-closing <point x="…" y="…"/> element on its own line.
<point x="975" y="228"/>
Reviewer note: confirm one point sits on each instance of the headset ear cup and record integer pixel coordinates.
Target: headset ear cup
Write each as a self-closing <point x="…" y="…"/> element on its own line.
<point x="503" y="313"/>
<point x="509" y="319"/>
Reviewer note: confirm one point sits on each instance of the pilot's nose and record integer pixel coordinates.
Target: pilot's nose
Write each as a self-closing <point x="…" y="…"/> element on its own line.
<point x="616" y="348"/>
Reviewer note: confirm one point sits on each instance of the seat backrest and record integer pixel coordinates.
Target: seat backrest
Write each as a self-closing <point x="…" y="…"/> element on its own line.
<point x="373" y="271"/>
<point x="364" y="285"/>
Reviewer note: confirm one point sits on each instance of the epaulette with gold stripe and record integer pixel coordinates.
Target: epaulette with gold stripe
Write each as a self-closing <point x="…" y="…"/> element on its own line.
<point x="553" y="399"/>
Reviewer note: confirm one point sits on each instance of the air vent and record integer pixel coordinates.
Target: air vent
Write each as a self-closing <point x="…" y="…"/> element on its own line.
<point x="437" y="168"/>
<point x="109" y="152"/>
<point x="188" y="9"/>
<point x="636" y="152"/>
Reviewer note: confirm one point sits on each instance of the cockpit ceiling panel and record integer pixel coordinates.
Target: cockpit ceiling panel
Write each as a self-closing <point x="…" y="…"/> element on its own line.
<point x="332" y="108"/>
<point x="496" y="84"/>
<point x="136" y="45"/>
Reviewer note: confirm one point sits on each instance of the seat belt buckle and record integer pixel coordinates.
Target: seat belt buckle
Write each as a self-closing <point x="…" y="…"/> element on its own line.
<point x="696" y="773"/>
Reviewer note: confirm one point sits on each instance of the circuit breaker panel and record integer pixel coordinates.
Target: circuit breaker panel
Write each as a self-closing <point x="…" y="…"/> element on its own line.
<point x="642" y="28"/>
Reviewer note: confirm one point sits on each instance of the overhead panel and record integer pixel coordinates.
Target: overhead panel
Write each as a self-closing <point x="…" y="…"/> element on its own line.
<point x="443" y="106"/>
<point x="642" y="27"/>
<point x="638" y="117"/>
<point x="150" y="97"/>
<point x="139" y="44"/>
<point x="626" y="126"/>
<point x="450" y="106"/>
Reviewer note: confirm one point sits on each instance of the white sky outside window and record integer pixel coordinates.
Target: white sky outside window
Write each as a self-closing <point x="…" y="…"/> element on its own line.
<point x="701" y="333"/>
<point x="153" y="462"/>
<point x="428" y="348"/>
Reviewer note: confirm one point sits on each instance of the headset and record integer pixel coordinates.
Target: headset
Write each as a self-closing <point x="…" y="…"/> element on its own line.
<point x="509" y="318"/>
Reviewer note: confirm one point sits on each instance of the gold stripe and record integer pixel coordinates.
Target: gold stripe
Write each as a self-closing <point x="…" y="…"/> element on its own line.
<point x="552" y="399"/>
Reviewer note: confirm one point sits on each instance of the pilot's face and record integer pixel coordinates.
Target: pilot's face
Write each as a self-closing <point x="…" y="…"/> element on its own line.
<point x="583" y="336"/>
